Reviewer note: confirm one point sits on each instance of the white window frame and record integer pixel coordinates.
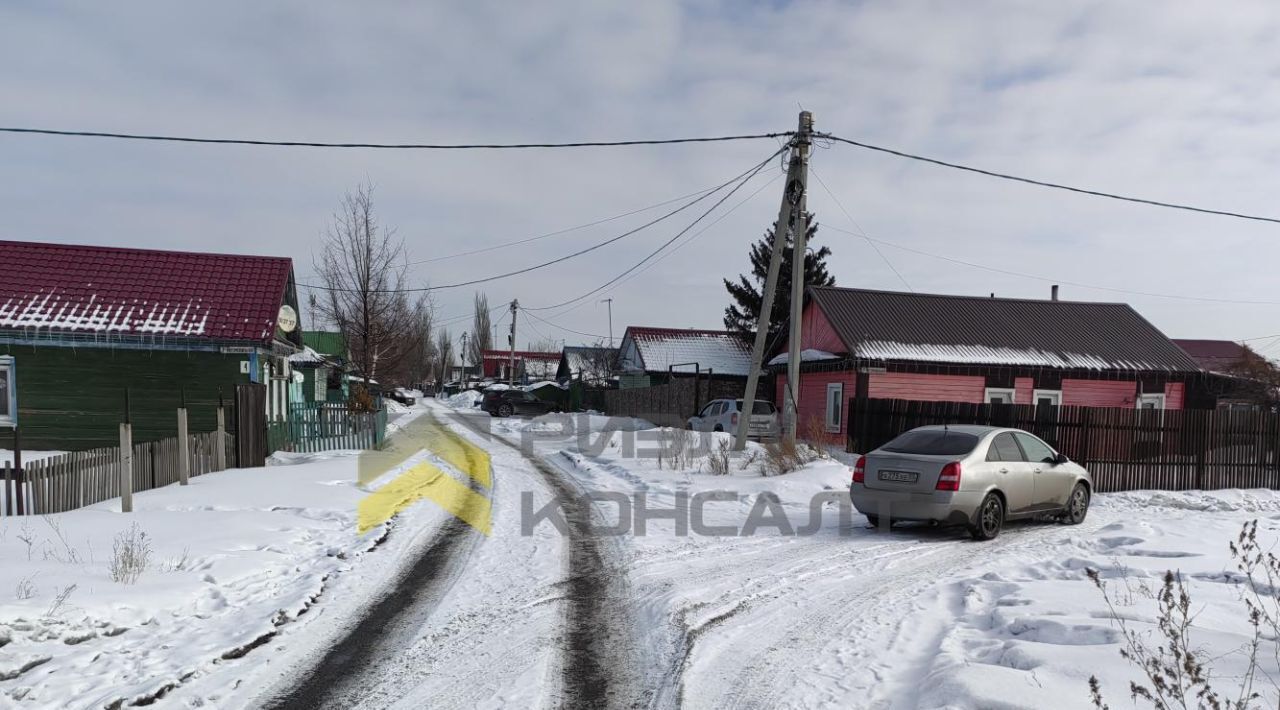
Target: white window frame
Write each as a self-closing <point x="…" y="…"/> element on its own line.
<point x="9" y="372"/>
<point x="986" y="394"/>
<point x="1158" y="397"/>
<point x="1037" y="394"/>
<point x="834" y="424"/>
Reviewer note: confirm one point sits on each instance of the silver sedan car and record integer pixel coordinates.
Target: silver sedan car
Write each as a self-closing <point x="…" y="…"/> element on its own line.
<point x="976" y="476"/>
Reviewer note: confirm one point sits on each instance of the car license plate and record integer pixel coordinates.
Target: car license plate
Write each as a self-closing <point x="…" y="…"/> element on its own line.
<point x="899" y="476"/>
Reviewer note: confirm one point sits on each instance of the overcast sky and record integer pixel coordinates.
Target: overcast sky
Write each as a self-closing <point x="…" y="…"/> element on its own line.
<point x="1175" y="101"/>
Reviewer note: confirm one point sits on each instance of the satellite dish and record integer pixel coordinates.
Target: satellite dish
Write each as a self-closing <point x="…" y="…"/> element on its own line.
<point x="287" y="319"/>
<point x="298" y="377"/>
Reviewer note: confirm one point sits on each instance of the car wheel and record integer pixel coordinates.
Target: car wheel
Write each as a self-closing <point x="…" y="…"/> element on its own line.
<point x="1077" y="505"/>
<point x="719" y="428"/>
<point x="874" y="521"/>
<point x="505" y="410"/>
<point x="990" y="518"/>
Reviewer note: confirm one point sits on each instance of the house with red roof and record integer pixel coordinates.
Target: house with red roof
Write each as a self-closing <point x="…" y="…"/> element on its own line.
<point x="85" y="323"/>
<point x="531" y="366"/>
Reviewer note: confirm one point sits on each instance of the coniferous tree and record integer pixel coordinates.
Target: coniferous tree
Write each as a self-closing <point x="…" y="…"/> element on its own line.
<point x="747" y="292"/>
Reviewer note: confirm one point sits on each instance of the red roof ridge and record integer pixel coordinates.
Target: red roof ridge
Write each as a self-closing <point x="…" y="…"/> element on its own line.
<point x="138" y="250"/>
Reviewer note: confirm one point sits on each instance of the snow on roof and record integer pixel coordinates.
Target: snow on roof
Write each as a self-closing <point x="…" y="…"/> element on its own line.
<point x="140" y="291"/>
<point x="307" y="356"/>
<point x="806" y="355"/>
<point x="722" y="352"/>
<point x="539" y="385"/>
<point x="891" y="325"/>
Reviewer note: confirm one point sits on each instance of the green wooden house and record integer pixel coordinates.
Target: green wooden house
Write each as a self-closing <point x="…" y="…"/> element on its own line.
<point x="85" y="323"/>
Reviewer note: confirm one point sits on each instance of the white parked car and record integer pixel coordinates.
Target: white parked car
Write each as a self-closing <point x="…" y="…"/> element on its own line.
<point x="722" y="415"/>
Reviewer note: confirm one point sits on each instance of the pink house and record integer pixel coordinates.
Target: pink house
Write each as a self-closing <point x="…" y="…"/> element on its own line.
<point x="891" y="345"/>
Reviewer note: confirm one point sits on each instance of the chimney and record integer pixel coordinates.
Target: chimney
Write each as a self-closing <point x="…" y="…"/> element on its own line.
<point x="1053" y="292"/>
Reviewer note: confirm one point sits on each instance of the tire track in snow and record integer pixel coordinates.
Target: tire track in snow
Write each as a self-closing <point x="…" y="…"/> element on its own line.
<point x="349" y="670"/>
<point x="855" y="606"/>
<point x="598" y="668"/>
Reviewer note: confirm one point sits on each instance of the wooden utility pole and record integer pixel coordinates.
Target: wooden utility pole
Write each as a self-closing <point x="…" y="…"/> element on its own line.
<point x="792" y="197"/>
<point x="800" y="233"/>
<point x="511" y="366"/>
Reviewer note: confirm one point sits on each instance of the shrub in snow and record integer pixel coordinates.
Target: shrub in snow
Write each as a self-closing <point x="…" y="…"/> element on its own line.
<point x="675" y="448"/>
<point x="719" y="460"/>
<point x="130" y="555"/>
<point x="26" y="588"/>
<point x="59" y="601"/>
<point x="784" y="456"/>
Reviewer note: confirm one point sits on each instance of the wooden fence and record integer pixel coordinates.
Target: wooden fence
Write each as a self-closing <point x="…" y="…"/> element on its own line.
<point x="672" y="404"/>
<point x="74" y="480"/>
<point x="1124" y="449"/>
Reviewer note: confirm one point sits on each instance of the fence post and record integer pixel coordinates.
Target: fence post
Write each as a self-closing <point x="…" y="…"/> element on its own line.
<point x="19" y="479"/>
<point x="220" y="449"/>
<point x="126" y="467"/>
<point x="184" y="449"/>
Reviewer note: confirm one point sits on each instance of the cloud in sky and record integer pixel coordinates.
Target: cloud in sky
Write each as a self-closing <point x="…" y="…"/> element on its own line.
<point x="1168" y="100"/>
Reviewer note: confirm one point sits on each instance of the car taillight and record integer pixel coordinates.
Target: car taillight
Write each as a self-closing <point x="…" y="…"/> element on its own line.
<point x="860" y="470"/>
<point x="949" y="479"/>
<point x="734" y="419"/>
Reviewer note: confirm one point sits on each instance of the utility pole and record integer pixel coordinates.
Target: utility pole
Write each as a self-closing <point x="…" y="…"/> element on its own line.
<point x="800" y="233"/>
<point x="464" y="356"/>
<point x="511" y="367"/>
<point x="610" y="302"/>
<point x="792" y="197"/>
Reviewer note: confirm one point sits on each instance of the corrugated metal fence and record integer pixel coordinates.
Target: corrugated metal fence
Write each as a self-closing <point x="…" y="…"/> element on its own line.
<point x="74" y="480"/>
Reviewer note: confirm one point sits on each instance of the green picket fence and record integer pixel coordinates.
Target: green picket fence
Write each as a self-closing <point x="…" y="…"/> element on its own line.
<point x="326" y="426"/>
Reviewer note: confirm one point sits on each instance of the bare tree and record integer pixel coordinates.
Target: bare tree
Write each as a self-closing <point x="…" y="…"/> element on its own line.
<point x="481" y="332"/>
<point x="544" y="345"/>
<point x="419" y="361"/>
<point x="444" y="356"/>
<point x="362" y="268"/>
<point x="598" y="363"/>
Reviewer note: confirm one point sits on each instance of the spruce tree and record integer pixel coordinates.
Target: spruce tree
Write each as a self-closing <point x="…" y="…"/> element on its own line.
<point x="748" y="291"/>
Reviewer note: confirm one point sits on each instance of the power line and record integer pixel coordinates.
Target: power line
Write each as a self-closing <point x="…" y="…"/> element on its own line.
<point x="558" y="232"/>
<point x="749" y="173"/>
<point x="392" y="146"/>
<point x="1048" y="279"/>
<point x="682" y="244"/>
<point x="857" y="226"/>
<point x="561" y="327"/>
<point x="1054" y="185"/>
<point x="667" y="243"/>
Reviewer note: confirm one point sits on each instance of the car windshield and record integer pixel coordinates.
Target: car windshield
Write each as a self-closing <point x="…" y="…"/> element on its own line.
<point x="932" y="442"/>
<point x="759" y="407"/>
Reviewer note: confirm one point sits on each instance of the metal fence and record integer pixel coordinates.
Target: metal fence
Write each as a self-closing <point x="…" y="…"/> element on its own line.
<point x="327" y="426"/>
<point x="80" y="478"/>
<point x="1124" y="449"/>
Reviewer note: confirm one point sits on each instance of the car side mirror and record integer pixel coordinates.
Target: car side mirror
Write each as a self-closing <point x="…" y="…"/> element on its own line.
<point x="1060" y="458"/>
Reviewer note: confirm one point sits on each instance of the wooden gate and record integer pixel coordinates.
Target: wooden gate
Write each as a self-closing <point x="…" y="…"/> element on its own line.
<point x="251" y="425"/>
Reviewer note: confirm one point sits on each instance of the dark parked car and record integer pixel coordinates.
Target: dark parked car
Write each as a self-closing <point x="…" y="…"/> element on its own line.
<point x="504" y="403"/>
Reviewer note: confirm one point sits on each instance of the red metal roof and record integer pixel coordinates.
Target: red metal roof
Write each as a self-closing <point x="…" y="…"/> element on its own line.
<point x="93" y="289"/>
<point x="520" y="354"/>
<point x="1213" y="355"/>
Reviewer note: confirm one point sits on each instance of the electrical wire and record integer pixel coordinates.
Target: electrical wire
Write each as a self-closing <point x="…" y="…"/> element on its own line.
<point x="536" y="317"/>
<point x="748" y="174"/>
<point x="858" y="227"/>
<point x="1048" y="279"/>
<point x="558" y="232"/>
<point x="667" y="243"/>
<point x="681" y="245"/>
<point x="392" y="146"/>
<point x="1043" y="183"/>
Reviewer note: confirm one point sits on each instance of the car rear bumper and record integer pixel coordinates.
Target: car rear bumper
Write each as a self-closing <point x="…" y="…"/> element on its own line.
<point x="950" y="508"/>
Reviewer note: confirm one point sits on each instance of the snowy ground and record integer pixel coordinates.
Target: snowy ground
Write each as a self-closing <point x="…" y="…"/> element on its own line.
<point x="804" y="611"/>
